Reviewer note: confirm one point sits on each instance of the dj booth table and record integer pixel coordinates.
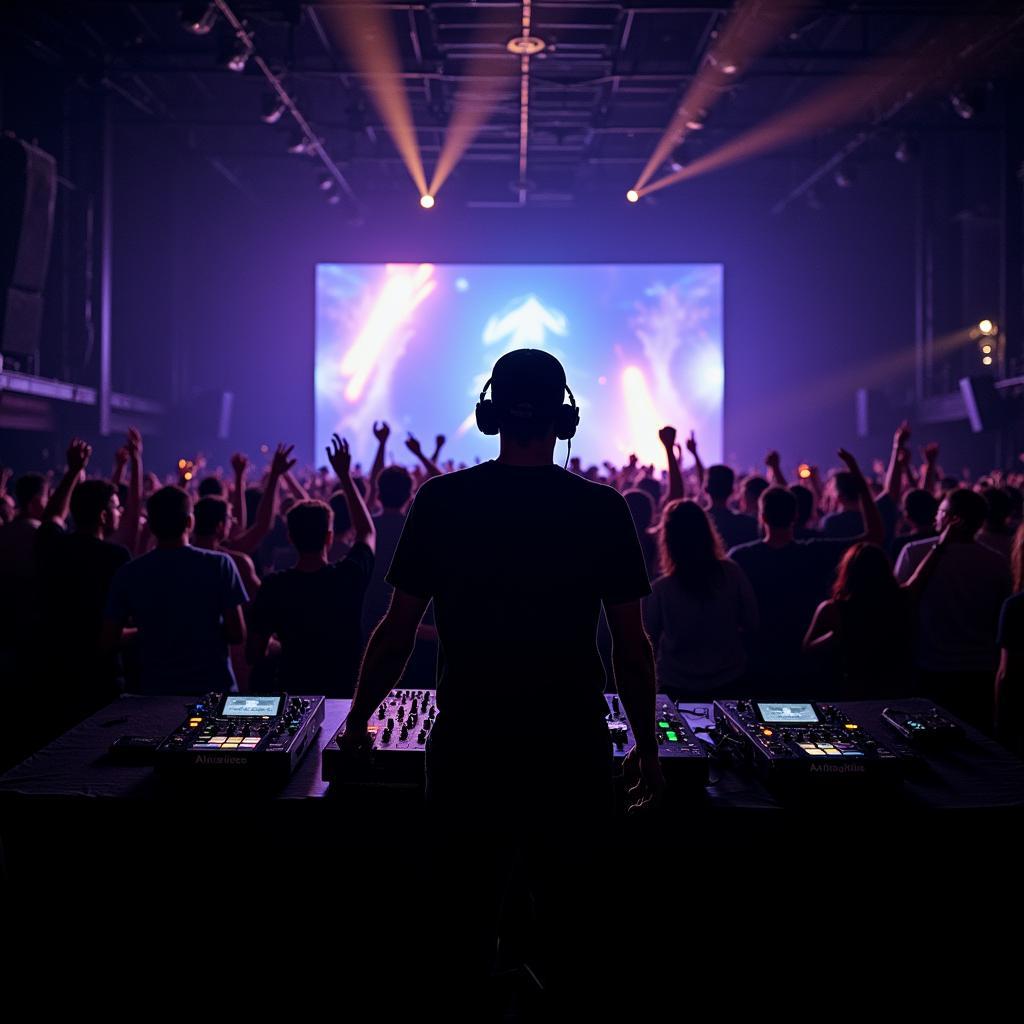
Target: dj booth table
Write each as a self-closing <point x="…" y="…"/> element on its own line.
<point x="875" y="877"/>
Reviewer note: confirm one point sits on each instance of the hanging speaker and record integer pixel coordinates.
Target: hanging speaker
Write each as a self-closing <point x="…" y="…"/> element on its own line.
<point x="28" y="194"/>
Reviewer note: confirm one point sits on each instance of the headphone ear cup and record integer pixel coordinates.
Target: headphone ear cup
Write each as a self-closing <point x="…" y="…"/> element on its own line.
<point x="566" y="422"/>
<point x="487" y="417"/>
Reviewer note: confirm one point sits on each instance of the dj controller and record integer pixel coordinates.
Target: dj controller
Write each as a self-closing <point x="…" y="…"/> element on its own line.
<point x="797" y="742"/>
<point x="402" y="724"/>
<point x="264" y="735"/>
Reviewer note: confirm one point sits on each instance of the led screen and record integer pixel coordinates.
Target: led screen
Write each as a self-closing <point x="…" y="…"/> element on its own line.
<point x="413" y="344"/>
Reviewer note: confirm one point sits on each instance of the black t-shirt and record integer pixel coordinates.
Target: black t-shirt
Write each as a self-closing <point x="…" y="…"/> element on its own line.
<point x="518" y="560"/>
<point x="73" y="578"/>
<point x="790" y="582"/>
<point x="316" y="617"/>
<point x="74" y="572"/>
<point x="734" y="528"/>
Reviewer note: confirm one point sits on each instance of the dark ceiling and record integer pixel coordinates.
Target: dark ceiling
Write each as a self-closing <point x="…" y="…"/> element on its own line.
<point x="601" y="93"/>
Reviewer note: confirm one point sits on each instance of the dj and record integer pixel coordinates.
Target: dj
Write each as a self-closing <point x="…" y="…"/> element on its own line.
<point x="518" y="556"/>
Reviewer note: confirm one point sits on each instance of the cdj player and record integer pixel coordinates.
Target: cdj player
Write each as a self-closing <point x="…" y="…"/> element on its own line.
<point x="256" y="734"/>
<point x="402" y="723"/>
<point x="800" y="741"/>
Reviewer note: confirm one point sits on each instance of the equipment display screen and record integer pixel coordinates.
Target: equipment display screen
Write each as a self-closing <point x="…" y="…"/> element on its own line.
<point x="248" y="705"/>
<point x="413" y="344"/>
<point x="794" y="714"/>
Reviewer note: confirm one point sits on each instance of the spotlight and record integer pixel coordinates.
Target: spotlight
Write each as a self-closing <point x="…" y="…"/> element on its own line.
<point x="198" y="17"/>
<point x="843" y="178"/>
<point x="333" y="199"/>
<point x="804" y="471"/>
<point x="298" y="143"/>
<point x="962" y="105"/>
<point x="325" y="182"/>
<point x="728" y="68"/>
<point x="987" y="360"/>
<point x="905" y="150"/>
<point x="986" y="327"/>
<point x="273" y="109"/>
<point x="633" y="196"/>
<point x="986" y="350"/>
<point x="695" y="122"/>
<point x="239" y="58"/>
<point x="427" y="202"/>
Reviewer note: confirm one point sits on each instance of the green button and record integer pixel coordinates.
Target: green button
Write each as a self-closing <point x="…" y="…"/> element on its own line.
<point x="672" y="737"/>
<point x="663" y="725"/>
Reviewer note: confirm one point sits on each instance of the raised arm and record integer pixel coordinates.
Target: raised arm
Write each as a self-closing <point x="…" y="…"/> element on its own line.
<point x="128" y="531"/>
<point x="774" y="463"/>
<point x="897" y="462"/>
<point x="298" y="492"/>
<point x="387" y="653"/>
<point x="240" y="465"/>
<point x="428" y="464"/>
<point x="340" y="458"/>
<point x="691" y="447"/>
<point x="382" y="433"/>
<point x="874" y="528"/>
<point x="77" y="459"/>
<point x="438" y="445"/>
<point x="667" y="436"/>
<point x="281" y="463"/>
<point x="120" y="461"/>
<point x="930" y="469"/>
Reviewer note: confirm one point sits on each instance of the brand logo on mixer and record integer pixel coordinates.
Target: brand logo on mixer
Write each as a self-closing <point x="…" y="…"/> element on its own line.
<point x="203" y="759"/>
<point x="837" y="769"/>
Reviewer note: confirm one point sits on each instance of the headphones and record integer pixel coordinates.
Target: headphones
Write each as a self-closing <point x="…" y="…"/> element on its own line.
<point x="488" y="417"/>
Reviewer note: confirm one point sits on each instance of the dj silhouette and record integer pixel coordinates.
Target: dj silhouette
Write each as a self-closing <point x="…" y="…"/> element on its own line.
<point x="518" y="556"/>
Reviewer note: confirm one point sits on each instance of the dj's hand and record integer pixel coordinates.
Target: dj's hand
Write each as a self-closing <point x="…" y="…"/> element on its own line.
<point x="645" y="783"/>
<point x="354" y="741"/>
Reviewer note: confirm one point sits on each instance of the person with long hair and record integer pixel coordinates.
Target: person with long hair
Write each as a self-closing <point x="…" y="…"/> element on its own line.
<point x="865" y="629"/>
<point x="700" y="607"/>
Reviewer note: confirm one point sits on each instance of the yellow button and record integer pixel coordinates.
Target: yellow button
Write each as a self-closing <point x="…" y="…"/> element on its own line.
<point x="218" y="739"/>
<point x="767" y="732"/>
<point x="851" y="725"/>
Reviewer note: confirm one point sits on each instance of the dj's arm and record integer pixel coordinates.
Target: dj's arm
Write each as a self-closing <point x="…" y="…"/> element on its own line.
<point x="633" y="669"/>
<point x="387" y="653"/>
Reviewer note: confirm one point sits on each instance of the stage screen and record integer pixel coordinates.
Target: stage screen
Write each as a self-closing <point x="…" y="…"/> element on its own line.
<point x="413" y="344"/>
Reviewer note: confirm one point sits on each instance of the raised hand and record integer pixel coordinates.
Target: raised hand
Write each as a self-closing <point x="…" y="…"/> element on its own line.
<point x="633" y="460"/>
<point x="239" y="463"/>
<point x="413" y="445"/>
<point x="930" y="451"/>
<point x="382" y="432"/>
<point x="772" y="460"/>
<point x="439" y="441"/>
<point x="121" y="457"/>
<point x="134" y="443"/>
<point x="902" y="435"/>
<point x="78" y="455"/>
<point x="282" y="462"/>
<point x="850" y="461"/>
<point x="340" y="457"/>
<point x="667" y="436"/>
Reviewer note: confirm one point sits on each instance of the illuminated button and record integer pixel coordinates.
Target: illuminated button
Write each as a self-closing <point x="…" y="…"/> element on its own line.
<point x="767" y="732"/>
<point x="672" y="737"/>
<point x="814" y="752"/>
<point x="806" y="746"/>
<point x="832" y="752"/>
<point x="853" y="753"/>
<point x="851" y="725"/>
<point x="664" y="725"/>
<point x="218" y="739"/>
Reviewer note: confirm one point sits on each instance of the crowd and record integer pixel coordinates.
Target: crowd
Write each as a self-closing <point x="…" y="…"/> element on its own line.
<point x="842" y="585"/>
